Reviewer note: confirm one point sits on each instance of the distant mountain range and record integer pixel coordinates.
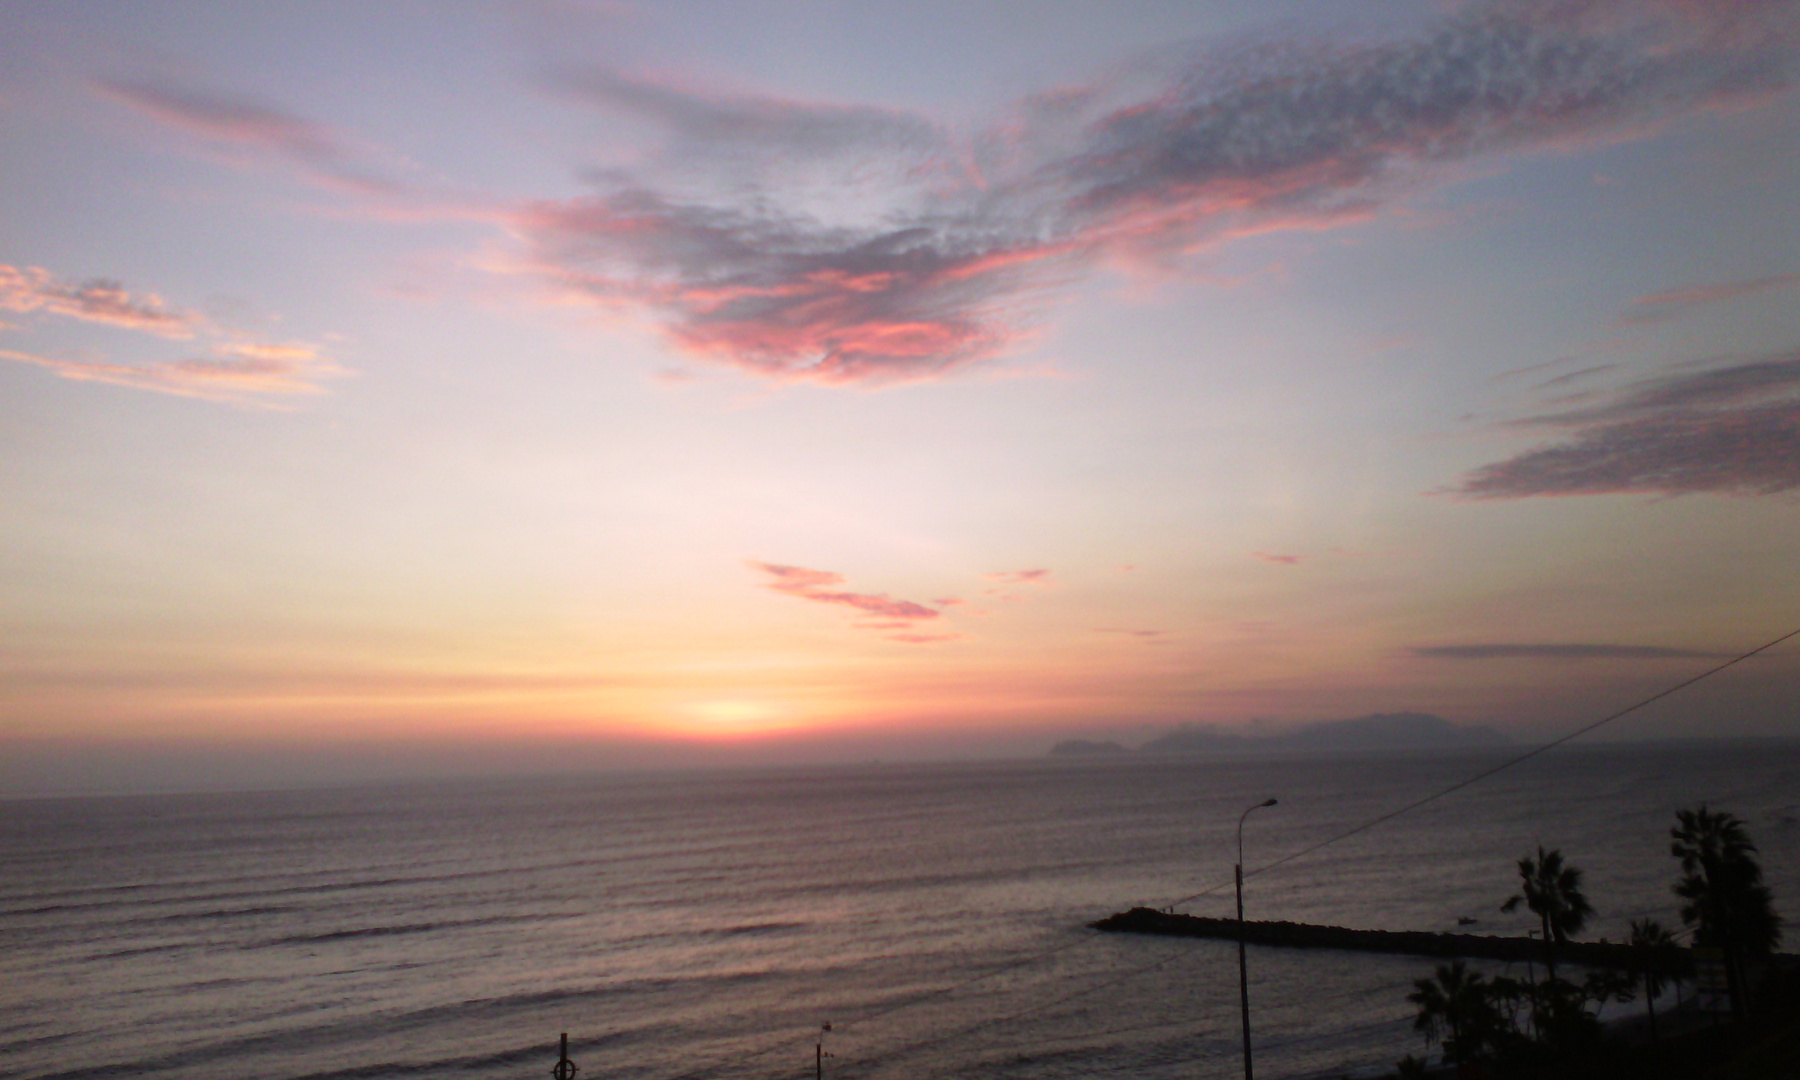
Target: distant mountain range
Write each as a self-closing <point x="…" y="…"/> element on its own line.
<point x="1377" y="731"/>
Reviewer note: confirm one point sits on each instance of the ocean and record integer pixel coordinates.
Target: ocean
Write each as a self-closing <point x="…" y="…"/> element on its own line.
<point x="707" y="924"/>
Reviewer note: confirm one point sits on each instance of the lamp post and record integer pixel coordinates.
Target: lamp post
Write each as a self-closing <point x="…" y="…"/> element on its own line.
<point x="1243" y="970"/>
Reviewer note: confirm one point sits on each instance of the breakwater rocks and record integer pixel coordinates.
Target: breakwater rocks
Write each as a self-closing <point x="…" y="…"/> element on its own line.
<point x="1411" y="942"/>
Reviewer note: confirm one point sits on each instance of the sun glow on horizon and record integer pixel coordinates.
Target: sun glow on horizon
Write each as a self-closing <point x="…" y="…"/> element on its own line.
<point x="694" y="405"/>
<point x="733" y="718"/>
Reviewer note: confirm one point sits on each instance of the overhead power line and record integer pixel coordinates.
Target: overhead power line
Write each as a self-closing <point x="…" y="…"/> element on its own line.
<point x="1337" y="838"/>
<point x="1501" y="767"/>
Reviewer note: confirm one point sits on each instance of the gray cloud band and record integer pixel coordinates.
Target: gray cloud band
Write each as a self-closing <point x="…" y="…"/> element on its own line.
<point x="940" y="260"/>
<point x="1558" y="652"/>
<point x="1734" y="429"/>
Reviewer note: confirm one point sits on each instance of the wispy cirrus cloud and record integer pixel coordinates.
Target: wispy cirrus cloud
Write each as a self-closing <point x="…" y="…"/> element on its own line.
<point x="1004" y="580"/>
<point x="1732" y="429"/>
<point x="101" y="300"/>
<point x="1559" y="652"/>
<point x="237" y="372"/>
<point x="318" y="152"/>
<point x="232" y="367"/>
<point x="1674" y="303"/>
<point x="854" y="244"/>
<point x="1571" y="377"/>
<point x="1277" y="558"/>
<point x="761" y="130"/>
<point x="826" y="587"/>
<point x="1038" y="576"/>
<point x="933" y="251"/>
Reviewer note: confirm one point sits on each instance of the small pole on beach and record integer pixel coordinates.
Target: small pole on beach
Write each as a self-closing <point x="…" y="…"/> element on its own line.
<point x="565" y="1069"/>
<point x="819" y="1054"/>
<point x="1243" y="970"/>
<point x="1531" y="980"/>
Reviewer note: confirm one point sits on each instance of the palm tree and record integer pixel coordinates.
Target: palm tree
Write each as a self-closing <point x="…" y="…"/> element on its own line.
<point x="1553" y="892"/>
<point x="1457" y="1009"/>
<point x="1654" y="944"/>
<point x="1721" y="883"/>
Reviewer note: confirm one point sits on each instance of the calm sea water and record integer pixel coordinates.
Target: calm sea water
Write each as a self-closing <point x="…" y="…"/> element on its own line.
<point x="706" y="924"/>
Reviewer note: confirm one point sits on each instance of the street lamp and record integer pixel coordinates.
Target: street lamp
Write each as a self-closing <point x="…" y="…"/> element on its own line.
<point x="1244" y="971"/>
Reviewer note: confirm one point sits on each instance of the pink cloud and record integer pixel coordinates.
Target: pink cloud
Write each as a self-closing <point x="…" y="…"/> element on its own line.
<point x="237" y="372"/>
<point x="1019" y="577"/>
<point x="821" y="586"/>
<point x="101" y="300"/>
<point x="1672" y="303"/>
<point x="797" y="579"/>
<point x="1129" y="632"/>
<point x="1271" y="557"/>
<point x="721" y="240"/>
<point x="924" y="639"/>
<point x="318" y="152"/>
<point x="232" y="368"/>
<point x="945" y="248"/>
<point x="775" y="296"/>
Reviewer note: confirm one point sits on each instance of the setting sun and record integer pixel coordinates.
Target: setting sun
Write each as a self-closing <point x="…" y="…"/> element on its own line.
<point x="726" y="718"/>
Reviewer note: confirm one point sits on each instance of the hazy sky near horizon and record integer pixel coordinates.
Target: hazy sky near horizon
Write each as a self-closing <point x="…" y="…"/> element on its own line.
<point x="501" y="385"/>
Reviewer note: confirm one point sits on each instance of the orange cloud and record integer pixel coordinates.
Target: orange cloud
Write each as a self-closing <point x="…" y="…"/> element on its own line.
<point x="820" y="586"/>
<point x="101" y="300"/>
<point x="231" y="373"/>
<point x="1019" y="577"/>
<point x="231" y="369"/>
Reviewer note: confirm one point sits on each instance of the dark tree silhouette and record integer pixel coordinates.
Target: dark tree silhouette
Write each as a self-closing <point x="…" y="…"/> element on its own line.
<point x="1654" y="945"/>
<point x="1456" y="1009"/>
<point x="1721" y="884"/>
<point x="1726" y="901"/>
<point x="1553" y="891"/>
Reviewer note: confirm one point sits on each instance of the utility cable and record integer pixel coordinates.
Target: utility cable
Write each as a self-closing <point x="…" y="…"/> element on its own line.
<point x="1291" y="857"/>
<point x="1381" y="819"/>
<point x="1503" y="766"/>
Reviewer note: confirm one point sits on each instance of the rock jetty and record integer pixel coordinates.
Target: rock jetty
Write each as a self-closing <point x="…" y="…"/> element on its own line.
<point x="1410" y="942"/>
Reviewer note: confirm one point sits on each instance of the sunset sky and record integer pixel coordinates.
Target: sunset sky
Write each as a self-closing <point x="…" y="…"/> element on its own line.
<point x="439" y="387"/>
